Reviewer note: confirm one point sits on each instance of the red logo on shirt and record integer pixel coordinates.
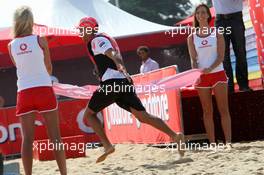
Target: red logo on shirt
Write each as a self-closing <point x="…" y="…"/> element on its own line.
<point x="23" y="47"/>
<point x="204" y="42"/>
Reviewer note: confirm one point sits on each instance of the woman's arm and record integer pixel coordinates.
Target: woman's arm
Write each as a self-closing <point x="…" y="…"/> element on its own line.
<point x="220" y="52"/>
<point x="192" y="51"/>
<point x="10" y="54"/>
<point x="44" y="45"/>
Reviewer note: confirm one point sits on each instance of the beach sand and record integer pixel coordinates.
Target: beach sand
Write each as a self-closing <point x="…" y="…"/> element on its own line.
<point x="136" y="159"/>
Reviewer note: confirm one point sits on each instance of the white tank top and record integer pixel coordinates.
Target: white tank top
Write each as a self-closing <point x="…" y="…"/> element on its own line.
<point x="30" y="66"/>
<point x="206" y="48"/>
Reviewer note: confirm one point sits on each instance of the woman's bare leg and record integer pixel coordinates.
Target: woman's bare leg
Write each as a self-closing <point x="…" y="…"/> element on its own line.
<point x="221" y="95"/>
<point x="52" y="122"/>
<point x="28" y="129"/>
<point x="205" y="95"/>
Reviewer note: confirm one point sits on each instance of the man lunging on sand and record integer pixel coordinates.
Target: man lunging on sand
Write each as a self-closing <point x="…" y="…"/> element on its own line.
<point x="105" y="54"/>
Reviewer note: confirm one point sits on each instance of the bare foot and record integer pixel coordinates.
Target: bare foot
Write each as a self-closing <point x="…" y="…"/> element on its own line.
<point x="179" y="139"/>
<point x="107" y="152"/>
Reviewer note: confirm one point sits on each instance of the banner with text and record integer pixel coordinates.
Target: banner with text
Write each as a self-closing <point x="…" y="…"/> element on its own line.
<point x="122" y="127"/>
<point x="72" y="123"/>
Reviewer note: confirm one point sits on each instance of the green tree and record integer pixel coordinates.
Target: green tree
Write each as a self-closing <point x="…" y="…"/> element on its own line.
<point x="208" y="2"/>
<point x="167" y="12"/>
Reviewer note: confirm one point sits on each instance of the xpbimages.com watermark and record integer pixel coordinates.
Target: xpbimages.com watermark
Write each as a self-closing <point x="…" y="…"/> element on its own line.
<point x="57" y="146"/>
<point x="172" y="32"/>
<point x="128" y="88"/>
<point x="197" y="147"/>
<point x="80" y="31"/>
<point x="82" y="147"/>
<point x="183" y="30"/>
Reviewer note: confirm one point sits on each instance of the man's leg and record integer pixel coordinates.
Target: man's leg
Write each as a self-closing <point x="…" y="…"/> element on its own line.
<point x="98" y="102"/>
<point x="239" y="45"/>
<point x="159" y="124"/>
<point x="228" y="64"/>
<point x="227" y="60"/>
<point x="96" y="124"/>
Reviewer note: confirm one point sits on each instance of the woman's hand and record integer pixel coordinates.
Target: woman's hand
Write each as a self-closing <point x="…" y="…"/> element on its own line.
<point x="206" y="70"/>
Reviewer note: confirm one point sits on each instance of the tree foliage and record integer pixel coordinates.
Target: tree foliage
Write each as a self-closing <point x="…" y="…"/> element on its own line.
<point x="166" y="12"/>
<point x="208" y="2"/>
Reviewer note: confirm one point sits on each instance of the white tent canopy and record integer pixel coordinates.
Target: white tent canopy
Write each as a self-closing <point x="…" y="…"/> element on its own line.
<point x="67" y="13"/>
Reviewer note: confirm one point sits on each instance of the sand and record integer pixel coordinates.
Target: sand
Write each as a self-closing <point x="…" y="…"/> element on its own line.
<point x="242" y="159"/>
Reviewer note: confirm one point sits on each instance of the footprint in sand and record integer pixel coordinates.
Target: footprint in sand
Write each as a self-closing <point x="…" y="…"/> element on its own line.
<point x="119" y="168"/>
<point x="106" y="169"/>
<point x="251" y="159"/>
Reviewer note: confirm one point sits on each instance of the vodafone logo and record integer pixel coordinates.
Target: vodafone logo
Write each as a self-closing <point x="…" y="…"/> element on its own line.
<point x="155" y="104"/>
<point x="23" y="46"/>
<point x="24" y="49"/>
<point x="204" y="42"/>
<point x="9" y="132"/>
<point x="117" y="116"/>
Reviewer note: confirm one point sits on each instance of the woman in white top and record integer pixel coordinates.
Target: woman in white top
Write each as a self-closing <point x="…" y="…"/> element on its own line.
<point x="30" y="55"/>
<point x="206" y="49"/>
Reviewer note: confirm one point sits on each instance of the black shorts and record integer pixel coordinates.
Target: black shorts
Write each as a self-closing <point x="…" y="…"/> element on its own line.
<point x="119" y="91"/>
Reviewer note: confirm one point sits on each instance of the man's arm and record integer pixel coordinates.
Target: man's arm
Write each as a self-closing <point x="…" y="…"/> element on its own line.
<point x="102" y="45"/>
<point x="116" y="57"/>
<point x="111" y="53"/>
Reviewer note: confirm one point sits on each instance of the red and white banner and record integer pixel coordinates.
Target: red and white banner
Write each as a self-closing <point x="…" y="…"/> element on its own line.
<point x="72" y="123"/>
<point x="159" y="93"/>
<point x="164" y="102"/>
<point x="122" y="127"/>
<point x="67" y="90"/>
<point x="165" y="78"/>
<point x="257" y="15"/>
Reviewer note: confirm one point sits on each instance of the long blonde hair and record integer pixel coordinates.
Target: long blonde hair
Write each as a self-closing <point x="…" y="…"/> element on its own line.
<point x="23" y="21"/>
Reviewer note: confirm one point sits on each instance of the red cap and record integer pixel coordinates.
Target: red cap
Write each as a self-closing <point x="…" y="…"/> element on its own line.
<point x="88" y="22"/>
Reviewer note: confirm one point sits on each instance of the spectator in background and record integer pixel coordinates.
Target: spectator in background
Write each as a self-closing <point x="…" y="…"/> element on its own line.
<point x="2" y="102"/>
<point x="229" y="16"/>
<point x="148" y="64"/>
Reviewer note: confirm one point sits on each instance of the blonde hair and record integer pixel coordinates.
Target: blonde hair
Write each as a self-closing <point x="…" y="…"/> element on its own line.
<point x="23" y="21"/>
